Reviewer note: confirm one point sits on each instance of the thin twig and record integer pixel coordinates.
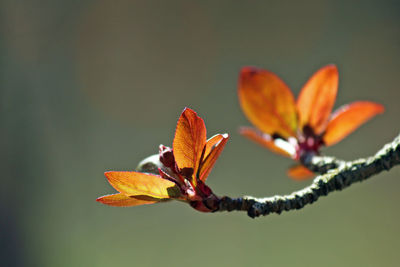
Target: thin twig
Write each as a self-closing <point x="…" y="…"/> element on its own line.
<point x="336" y="175"/>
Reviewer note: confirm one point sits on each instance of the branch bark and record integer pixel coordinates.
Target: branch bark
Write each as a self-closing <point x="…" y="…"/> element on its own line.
<point x="335" y="175"/>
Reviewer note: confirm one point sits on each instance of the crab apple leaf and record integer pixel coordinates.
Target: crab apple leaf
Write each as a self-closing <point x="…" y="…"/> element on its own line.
<point x="137" y="184"/>
<point x="317" y="98"/>
<point x="266" y="141"/>
<point x="190" y="139"/>
<point x="121" y="200"/>
<point x="299" y="173"/>
<point x="348" y="118"/>
<point x="267" y="102"/>
<point x="213" y="149"/>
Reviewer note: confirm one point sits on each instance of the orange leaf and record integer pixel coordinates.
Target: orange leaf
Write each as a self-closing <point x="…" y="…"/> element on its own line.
<point x="137" y="183"/>
<point x="266" y="141"/>
<point x="189" y="141"/>
<point x="267" y="102"/>
<point x="214" y="147"/>
<point x="348" y="118"/>
<point x="212" y="142"/>
<point x="120" y="200"/>
<point x="317" y="97"/>
<point x="299" y="173"/>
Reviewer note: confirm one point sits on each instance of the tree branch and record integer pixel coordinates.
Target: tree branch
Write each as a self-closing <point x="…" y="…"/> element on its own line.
<point x="335" y="175"/>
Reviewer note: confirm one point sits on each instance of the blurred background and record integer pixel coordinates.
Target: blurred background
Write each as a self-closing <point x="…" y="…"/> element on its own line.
<point x="90" y="86"/>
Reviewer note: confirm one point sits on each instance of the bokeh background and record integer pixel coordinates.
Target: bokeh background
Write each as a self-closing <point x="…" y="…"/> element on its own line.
<point x="90" y="86"/>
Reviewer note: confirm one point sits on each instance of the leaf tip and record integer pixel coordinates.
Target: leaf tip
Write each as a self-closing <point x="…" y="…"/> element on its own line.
<point x="331" y="68"/>
<point x="100" y="199"/>
<point x="108" y="174"/>
<point x="246" y="73"/>
<point x="379" y="108"/>
<point x="188" y="110"/>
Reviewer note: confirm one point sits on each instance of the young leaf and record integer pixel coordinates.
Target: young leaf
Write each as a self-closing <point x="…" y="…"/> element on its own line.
<point x="121" y="200"/>
<point x="267" y="102"/>
<point x="214" y="147"/>
<point x="136" y="183"/>
<point x="264" y="140"/>
<point x="317" y="97"/>
<point x="299" y="173"/>
<point x="348" y="118"/>
<point x="190" y="139"/>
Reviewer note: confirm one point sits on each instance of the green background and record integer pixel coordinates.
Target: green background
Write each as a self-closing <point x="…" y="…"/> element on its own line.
<point x="91" y="86"/>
